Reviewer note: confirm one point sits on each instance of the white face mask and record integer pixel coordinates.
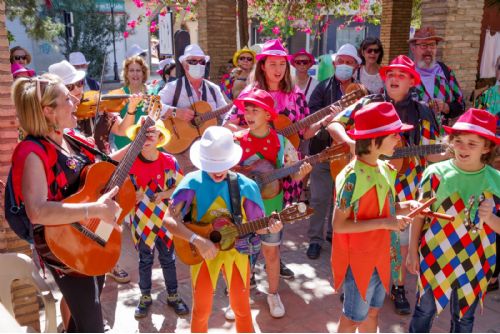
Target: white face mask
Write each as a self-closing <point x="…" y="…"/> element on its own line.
<point x="343" y="72"/>
<point x="196" y="71"/>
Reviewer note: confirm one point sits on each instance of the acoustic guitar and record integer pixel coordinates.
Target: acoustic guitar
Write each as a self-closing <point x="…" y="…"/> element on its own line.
<point x="399" y="159"/>
<point x="268" y="178"/>
<point x="185" y="133"/>
<point x="285" y="127"/>
<point x="92" y="247"/>
<point x="223" y="232"/>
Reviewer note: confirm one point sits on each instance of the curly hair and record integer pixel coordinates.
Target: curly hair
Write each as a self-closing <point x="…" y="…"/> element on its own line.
<point x="134" y="60"/>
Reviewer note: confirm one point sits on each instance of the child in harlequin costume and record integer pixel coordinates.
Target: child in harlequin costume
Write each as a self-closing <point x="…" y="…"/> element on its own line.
<point x="364" y="215"/>
<point x="155" y="175"/>
<point x="456" y="259"/>
<point x="202" y="196"/>
<point x="260" y="141"/>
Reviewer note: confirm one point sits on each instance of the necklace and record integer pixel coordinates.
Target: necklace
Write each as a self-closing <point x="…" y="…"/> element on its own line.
<point x="72" y="162"/>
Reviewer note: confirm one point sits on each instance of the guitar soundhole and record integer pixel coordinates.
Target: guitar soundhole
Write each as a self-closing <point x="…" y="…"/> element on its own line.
<point x="215" y="237"/>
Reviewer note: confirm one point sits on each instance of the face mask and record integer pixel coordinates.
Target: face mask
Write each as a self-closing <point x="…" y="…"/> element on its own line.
<point x="197" y="71"/>
<point x="343" y="72"/>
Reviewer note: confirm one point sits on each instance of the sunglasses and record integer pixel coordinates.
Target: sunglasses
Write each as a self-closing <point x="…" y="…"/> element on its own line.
<point x="196" y="62"/>
<point x="74" y="85"/>
<point x="246" y="58"/>
<point x="375" y="51"/>
<point x="302" y="62"/>
<point x="20" y="57"/>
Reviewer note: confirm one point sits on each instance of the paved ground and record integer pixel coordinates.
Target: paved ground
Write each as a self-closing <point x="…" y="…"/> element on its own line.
<point x="311" y="304"/>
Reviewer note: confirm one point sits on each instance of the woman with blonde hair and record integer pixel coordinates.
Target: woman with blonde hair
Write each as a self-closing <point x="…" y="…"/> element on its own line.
<point x="45" y="108"/>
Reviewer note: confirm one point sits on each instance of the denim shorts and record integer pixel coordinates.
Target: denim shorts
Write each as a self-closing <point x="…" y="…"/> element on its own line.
<point x="355" y="308"/>
<point x="271" y="239"/>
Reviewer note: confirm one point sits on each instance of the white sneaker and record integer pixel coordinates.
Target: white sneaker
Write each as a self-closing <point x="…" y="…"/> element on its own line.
<point x="276" y="307"/>
<point x="229" y="314"/>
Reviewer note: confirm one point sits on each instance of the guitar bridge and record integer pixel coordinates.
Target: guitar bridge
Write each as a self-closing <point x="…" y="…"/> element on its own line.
<point x="89" y="234"/>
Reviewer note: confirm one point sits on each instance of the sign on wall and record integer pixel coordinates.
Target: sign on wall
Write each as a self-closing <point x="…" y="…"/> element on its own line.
<point x="166" y="34"/>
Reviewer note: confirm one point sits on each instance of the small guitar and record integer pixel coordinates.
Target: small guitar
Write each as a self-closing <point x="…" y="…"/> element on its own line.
<point x="223" y="232"/>
<point x="92" y="247"/>
<point x="268" y="178"/>
<point x="185" y="133"/>
<point x="285" y="127"/>
<point x="399" y="159"/>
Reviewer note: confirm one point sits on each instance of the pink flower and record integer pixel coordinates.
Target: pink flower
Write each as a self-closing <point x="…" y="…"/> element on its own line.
<point x="291" y="18"/>
<point x="319" y="5"/>
<point x="307" y="30"/>
<point x="342" y="26"/>
<point x="163" y="12"/>
<point x="193" y="1"/>
<point x="125" y="34"/>
<point x="359" y="28"/>
<point x="358" y="19"/>
<point x="132" y="24"/>
<point x="260" y="28"/>
<point x="153" y="23"/>
<point x="276" y="30"/>
<point x="317" y="17"/>
<point x="152" y="28"/>
<point x="366" y="1"/>
<point x="148" y="12"/>
<point x="188" y="8"/>
<point x="138" y="3"/>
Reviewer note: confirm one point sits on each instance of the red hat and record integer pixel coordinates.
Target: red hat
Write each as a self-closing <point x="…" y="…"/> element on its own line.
<point x="403" y="63"/>
<point x="375" y="120"/>
<point x="303" y="52"/>
<point x="260" y="98"/>
<point x="273" y="47"/>
<point x="477" y="121"/>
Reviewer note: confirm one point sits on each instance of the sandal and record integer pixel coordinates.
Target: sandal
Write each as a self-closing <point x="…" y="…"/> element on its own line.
<point x="119" y="275"/>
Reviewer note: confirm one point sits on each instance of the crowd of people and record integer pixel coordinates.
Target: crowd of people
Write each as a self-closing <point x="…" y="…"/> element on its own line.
<point x="372" y="208"/>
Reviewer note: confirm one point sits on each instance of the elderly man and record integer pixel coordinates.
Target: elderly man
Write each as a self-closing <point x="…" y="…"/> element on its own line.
<point x="439" y="86"/>
<point x="178" y="96"/>
<point x="346" y="61"/>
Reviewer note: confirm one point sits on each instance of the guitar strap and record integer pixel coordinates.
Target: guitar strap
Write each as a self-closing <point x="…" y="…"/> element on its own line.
<point x="79" y="144"/>
<point x="234" y="195"/>
<point x="178" y="88"/>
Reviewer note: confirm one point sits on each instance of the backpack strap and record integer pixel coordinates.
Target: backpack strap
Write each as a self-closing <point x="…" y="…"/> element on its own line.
<point x="212" y="91"/>
<point x="178" y="88"/>
<point x="234" y="194"/>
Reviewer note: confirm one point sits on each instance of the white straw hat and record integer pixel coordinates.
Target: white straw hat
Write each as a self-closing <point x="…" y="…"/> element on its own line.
<point x="193" y="50"/>
<point x="66" y="72"/>
<point x="216" y="151"/>
<point x="135" y="50"/>
<point x="77" y="58"/>
<point x="347" y="50"/>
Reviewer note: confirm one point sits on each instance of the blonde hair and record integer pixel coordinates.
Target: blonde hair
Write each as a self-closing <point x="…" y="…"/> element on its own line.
<point x="30" y="95"/>
<point x="134" y="60"/>
<point x="16" y="48"/>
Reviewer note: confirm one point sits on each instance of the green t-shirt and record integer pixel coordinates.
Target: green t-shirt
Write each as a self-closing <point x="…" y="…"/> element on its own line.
<point x="122" y="141"/>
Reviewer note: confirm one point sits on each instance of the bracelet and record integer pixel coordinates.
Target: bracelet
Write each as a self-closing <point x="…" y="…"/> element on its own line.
<point x="132" y="113"/>
<point x="193" y="238"/>
<point x="86" y="213"/>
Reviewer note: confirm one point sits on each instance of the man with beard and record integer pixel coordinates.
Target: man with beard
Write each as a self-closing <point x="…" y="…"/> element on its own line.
<point x="439" y="87"/>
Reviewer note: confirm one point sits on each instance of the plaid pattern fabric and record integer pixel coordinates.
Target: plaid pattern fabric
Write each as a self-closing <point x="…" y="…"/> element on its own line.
<point x="451" y="255"/>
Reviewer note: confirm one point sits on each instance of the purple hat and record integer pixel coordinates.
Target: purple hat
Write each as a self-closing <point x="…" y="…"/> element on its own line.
<point x="273" y="47"/>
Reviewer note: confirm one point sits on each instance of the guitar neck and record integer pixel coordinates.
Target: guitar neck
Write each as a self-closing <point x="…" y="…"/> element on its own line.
<point x="286" y="171"/>
<point x="214" y="114"/>
<point x="253" y="226"/>
<point x="306" y="122"/>
<point x="422" y="150"/>
<point x="122" y="170"/>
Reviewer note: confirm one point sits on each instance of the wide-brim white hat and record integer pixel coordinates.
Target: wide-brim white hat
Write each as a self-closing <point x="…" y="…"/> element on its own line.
<point x="67" y="72"/>
<point x="77" y="58"/>
<point x="135" y="50"/>
<point x="193" y="50"/>
<point x="216" y="150"/>
<point x="347" y="50"/>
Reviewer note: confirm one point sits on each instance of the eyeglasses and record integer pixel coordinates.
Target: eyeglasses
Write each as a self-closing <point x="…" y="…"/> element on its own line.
<point x="196" y="62"/>
<point x="302" y="62"/>
<point x="425" y="46"/>
<point x="375" y="51"/>
<point x="20" y="57"/>
<point x="246" y="58"/>
<point x="74" y="85"/>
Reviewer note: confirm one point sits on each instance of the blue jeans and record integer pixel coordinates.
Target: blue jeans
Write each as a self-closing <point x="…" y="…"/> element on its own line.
<point x="425" y="310"/>
<point x="167" y="262"/>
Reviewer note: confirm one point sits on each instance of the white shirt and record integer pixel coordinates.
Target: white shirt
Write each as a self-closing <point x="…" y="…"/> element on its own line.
<point x="312" y="85"/>
<point x="372" y="82"/>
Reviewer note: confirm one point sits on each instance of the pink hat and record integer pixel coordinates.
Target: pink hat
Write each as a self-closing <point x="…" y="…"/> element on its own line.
<point x="477" y="121"/>
<point x="260" y="98"/>
<point x="303" y="52"/>
<point x="17" y="69"/>
<point x="273" y="47"/>
<point x="403" y="63"/>
<point x="375" y="120"/>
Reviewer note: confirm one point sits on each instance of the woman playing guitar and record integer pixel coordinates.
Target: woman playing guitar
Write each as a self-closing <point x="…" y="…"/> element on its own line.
<point x="45" y="107"/>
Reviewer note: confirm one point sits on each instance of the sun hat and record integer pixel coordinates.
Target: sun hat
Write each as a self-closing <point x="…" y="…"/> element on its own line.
<point x="260" y="98"/>
<point x="403" y="63"/>
<point x="163" y="63"/>
<point x="135" y="50"/>
<point x="193" y="50"/>
<point x="17" y="69"/>
<point x="347" y="50"/>
<point x="477" y="121"/>
<point x="273" y="47"/>
<point x="77" y="58"/>
<point x="131" y="132"/>
<point x="375" y="120"/>
<point x="238" y="53"/>
<point x="303" y="52"/>
<point x="67" y="72"/>
<point x="216" y="151"/>
<point x="425" y="33"/>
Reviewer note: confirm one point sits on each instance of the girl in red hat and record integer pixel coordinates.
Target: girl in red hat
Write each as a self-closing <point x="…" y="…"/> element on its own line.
<point x="456" y="259"/>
